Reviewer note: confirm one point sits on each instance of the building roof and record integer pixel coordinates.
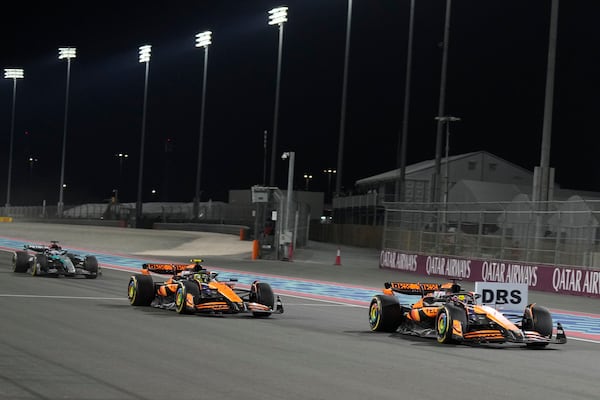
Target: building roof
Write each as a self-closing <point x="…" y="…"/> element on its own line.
<point x="425" y="165"/>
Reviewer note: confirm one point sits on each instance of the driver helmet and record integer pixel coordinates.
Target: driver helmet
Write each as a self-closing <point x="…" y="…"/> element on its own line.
<point x="202" y="276"/>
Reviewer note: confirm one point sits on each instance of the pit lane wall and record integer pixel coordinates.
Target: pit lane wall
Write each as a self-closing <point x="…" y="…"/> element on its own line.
<point x="555" y="279"/>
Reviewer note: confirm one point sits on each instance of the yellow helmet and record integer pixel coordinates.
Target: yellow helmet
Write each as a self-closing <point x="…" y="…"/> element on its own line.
<point x="202" y="277"/>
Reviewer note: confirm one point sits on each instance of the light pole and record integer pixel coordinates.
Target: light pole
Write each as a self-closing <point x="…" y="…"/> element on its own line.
<point x="329" y="172"/>
<point x="307" y="178"/>
<point x="288" y="208"/>
<point x="447" y="120"/>
<point x="402" y="142"/>
<point x="264" y="180"/>
<point x="14" y="74"/>
<point x="144" y="58"/>
<point x="542" y="180"/>
<point x="338" y="181"/>
<point x="32" y="160"/>
<point x="202" y="40"/>
<point x="121" y="157"/>
<point x="441" y="106"/>
<point x="277" y="16"/>
<point x="64" y="53"/>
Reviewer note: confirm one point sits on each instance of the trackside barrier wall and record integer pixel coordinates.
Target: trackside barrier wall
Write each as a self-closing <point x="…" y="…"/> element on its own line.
<point x="547" y="278"/>
<point x="215" y="228"/>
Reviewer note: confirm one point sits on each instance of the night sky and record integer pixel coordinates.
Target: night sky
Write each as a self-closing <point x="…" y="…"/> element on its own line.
<point x="496" y="81"/>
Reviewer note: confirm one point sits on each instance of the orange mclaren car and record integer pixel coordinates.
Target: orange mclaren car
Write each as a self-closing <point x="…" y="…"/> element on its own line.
<point x="451" y="315"/>
<point x="193" y="289"/>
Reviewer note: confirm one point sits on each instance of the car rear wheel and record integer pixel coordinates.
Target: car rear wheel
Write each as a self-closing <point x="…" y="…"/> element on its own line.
<point x="262" y="293"/>
<point x="140" y="290"/>
<point x="537" y="318"/>
<point x="385" y="314"/>
<point x="185" y="289"/>
<point x="20" y="261"/>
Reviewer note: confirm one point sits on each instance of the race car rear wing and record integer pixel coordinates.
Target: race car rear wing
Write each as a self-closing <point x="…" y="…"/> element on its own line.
<point x="167" y="268"/>
<point x="418" y="288"/>
<point x="412" y="287"/>
<point x="34" y="247"/>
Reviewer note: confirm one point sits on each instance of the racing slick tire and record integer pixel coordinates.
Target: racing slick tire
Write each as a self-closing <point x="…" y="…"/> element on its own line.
<point x="537" y="318"/>
<point x="262" y="293"/>
<point x="40" y="264"/>
<point x="90" y="264"/>
<point x="444" y="324"/>
<point x="184" y="289"/>
<point x="140" y="290"/>
<point x="385" y="314"/>
<point x="20" y="262"/>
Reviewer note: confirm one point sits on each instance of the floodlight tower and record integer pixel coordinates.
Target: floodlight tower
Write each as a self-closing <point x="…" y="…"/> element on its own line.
<point x="64" y="53"/>
<point x="203" y="39"/>
<point x="144" y="57"/>
<point x="14" y="74"/>
<point x="277" y="16"/>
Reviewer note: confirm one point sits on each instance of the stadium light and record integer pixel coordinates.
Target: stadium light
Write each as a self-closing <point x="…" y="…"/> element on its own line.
<point x="307" y="178"/>
<point x="64" y="53"/>
<point x="203" y="39"/>
<point x="14" y="74"/>
<point x="144" y="57"/>
<point x="329" y="172"/>
<point x="277" y="16"/>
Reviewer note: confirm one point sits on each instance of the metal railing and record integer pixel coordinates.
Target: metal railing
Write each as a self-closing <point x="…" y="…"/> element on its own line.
<point x="208" y="213"/>
<point x="553" y="233"/>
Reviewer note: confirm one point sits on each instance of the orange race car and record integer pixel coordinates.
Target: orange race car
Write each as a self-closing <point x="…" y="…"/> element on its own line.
<point x="193" y="289"/>
<point x="446" y="312"/>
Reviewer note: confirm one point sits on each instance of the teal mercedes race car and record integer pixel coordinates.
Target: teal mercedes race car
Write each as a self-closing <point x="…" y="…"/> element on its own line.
<point x="53" y="260"/>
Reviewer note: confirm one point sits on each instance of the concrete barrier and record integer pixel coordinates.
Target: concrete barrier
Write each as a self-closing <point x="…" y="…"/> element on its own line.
<point x="215" y="228"/>
<point x="76" y="221"/>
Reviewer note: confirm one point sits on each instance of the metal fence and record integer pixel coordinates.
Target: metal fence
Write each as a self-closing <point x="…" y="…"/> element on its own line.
<point x="209" y="212"/>
<point x="366" y="209"/>
<point x="252" y="215"/>
<point x="552" y="233"/>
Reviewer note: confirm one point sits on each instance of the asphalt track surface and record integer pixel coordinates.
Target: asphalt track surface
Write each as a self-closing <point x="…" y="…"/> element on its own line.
<point x="80" y="339"/>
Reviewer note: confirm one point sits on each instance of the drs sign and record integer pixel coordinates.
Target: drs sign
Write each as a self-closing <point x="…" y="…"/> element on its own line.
<point x="503" y="296"/>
